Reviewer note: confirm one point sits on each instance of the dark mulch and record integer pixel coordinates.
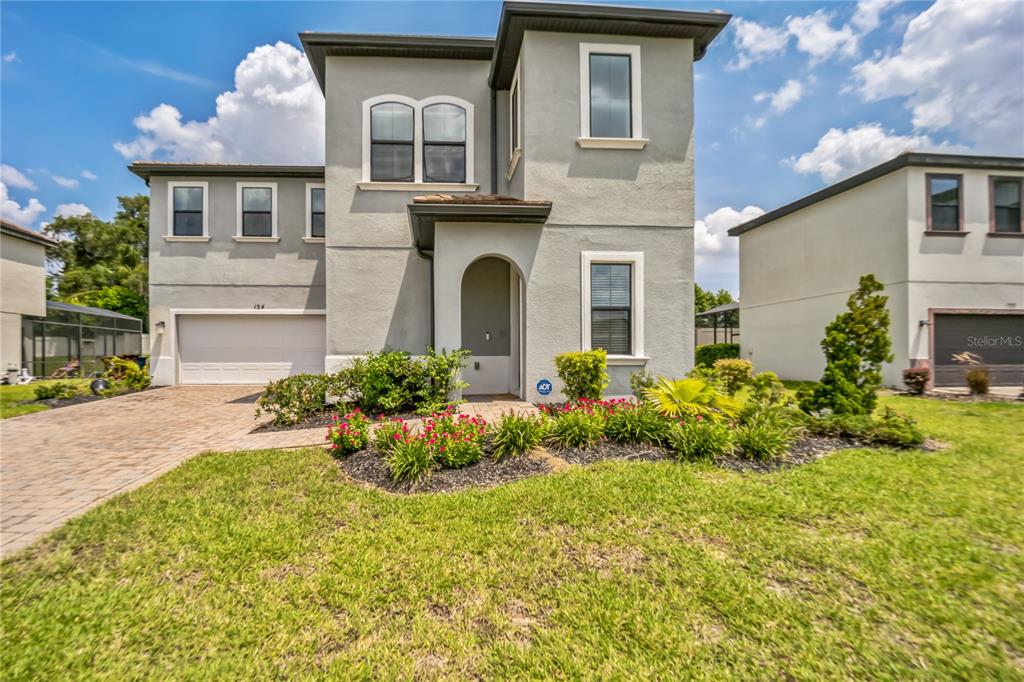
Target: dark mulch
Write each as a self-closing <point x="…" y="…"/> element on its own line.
<point x="323" y="419"/>
<point x="367" y="466"/>
<point x="606" y="449"/>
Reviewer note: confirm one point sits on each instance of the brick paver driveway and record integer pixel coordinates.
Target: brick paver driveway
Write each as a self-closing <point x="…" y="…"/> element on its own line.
<point x="54" y="465"/>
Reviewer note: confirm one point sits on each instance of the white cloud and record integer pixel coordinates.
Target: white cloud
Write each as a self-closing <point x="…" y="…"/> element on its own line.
<point x="15" y="178"/>
<point x="13" y="211"/>
<point x="974" y="89"/>
<point x="755" y="43"/>
<point x="275" y="114"/>
<point x="867" y="16"/>
<point x="10" y="57"/>
<point x="714" y="250"/>
<point x="815" y="36"/>
<point x="89" y="175"/>
<point x="783" y="99"/>
<point x="71" y="210"/>
<point x="67" y="183"/>
<point x="842" y="153"/>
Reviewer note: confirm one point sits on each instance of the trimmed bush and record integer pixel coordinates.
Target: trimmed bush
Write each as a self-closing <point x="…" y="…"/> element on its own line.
<point x="893" y="428"/>
<point x="889" y="428"/>
<point x="700" y="439"/>
<point x="517" y="434"/>
<point x="916" y="379"/>
<point x="733" y="374"/>
<point x="766" y="391"/>
<point x="629" y="423"/>
<point x="290" y="400"/>
<point x="56" y="390"/>
<point x="577" y="428"/>
<point x="639" y="382"/>
<point x="706" y="355"/>
<point x="349" y="434"/>
<point x="584" y="374"/>
<point x="764" y="437"/>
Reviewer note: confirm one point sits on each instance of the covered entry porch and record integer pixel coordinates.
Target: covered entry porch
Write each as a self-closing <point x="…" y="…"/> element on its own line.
<point x="482" y="250"/>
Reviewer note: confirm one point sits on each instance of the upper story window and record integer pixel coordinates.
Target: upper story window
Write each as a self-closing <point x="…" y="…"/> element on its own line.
<point x="391" y="142"/>
<point x="188" y="210"/>
<point x="613" y="302"/>
<point x="316" y="214"/>
<point x="407" y="141"/>
<point x="1005" y="205"/>
<point x="444" y="143"/>
<point x="257" y="210"/>
<point x="610" y="105"/>
<point x="944" y="202"/>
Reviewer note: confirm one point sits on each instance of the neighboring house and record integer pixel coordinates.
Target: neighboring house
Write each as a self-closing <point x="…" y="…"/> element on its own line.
<point x="518" y="197"/>
<point x="22" y="287"/>
<point x="942" y="232"/>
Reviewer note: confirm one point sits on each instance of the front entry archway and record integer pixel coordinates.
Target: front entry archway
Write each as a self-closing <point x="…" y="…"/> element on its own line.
<point x="491" y="323"/>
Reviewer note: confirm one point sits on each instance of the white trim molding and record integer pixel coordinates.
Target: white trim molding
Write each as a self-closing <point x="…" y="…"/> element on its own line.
<point x="515" y="123"/>
<point x="310" y="186"/>
<point x="612" y="142"/>
<point x="636" y="114"/>
<point x="169" y="232"/>
<point x="636" y="260"/>
<point x="272" y="186"/>
<point x="417" y="144"/>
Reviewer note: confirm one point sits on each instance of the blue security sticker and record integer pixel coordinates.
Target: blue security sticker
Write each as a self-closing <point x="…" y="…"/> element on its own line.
<point x="544" y="387"/>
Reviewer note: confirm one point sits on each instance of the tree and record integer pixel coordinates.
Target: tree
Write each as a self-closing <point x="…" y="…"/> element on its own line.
<point x="706" y="300"/>
<point x="99" y="260"/>
<point x="856" y="344"/>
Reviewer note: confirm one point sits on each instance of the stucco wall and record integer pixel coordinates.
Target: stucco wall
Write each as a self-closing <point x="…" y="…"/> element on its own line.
<point x="222" y="273"/>
<point x="378" y="285"/>
<point x="22" y="292"/>
<point x="797" y="272"/>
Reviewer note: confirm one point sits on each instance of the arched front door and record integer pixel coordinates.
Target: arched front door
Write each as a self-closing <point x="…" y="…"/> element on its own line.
<point x="490" y="326"/>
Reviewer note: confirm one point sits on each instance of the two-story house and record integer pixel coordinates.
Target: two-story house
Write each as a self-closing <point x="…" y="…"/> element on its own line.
<point x="520" y="197"/>
<point x="942" y="232"/>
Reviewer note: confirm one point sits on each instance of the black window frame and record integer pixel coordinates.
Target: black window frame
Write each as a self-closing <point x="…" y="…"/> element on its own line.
<point x="629" y="89"/>
<point x="267" y="213"/>
<point x="411" y="143"/>
<point x="993" y="180"/>
<point x="628" y="309"/>
<point x="175" y="211"/>
<point x="313" y="213"/>
<point x="424" y="142"/>
<point x="929" y="177"/>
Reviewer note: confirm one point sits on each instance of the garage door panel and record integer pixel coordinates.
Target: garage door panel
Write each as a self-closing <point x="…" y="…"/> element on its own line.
<point x="997" y="339"/>
<point x="249" y="349"/>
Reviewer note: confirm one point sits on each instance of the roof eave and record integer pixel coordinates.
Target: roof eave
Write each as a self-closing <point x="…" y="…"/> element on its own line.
<point x="148" y="170"/>
<point x="424" y="217"/>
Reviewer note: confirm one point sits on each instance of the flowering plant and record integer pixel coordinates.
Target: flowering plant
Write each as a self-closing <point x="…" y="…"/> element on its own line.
<point x="456" y="440"/>
<point x="349" y="434"/>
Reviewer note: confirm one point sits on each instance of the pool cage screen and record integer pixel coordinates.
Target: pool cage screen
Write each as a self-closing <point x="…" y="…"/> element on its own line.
<point x="71" y="333"/>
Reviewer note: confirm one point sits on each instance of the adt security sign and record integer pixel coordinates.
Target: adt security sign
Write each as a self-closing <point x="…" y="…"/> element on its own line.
<point x="544" y="387"/>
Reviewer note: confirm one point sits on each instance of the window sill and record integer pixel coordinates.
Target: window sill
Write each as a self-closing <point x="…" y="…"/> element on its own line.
<point x="612" y="142"/>
<point x="627" y="360"/>
<point x="183" y="238"/>
<point x="314" y="240"/>
<point x="513" y="163"/>
<point x="239" y="238"/>
<point x="370" y="186"/>
<point x="945" y="233"/>
<point x="1007" y="235"/>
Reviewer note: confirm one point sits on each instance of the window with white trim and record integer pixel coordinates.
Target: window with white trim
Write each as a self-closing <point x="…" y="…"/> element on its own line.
<point x="514" y="125"/>
<point x="257" y="210"/>
<point x="188" y="209"/>
<point x="610" y="103"/>
<point x="612" y="302"/>
<point x="316" y="213"/>
<point x="411" y="142"/>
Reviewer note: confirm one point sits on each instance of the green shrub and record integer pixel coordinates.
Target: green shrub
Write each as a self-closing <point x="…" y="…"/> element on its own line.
<point x="517" y="434"/>
<point x="889" y="428"/>
<point x="691" y="397"/>
<point x="125" y="375"/>
<point x="764" y="437"/>
<point x="733" y="374"/>
<point x="349" y="434"/>
<point x="455" y="440"/>
<point x="631" y="423"/>
<point x="387" y="433"/>
<point x="394" y="381"/>
<point x="916" y="379"/>
<point x="842" y="425"/>
<point x="292" y="399"/>
<point x="707" y="354"/>
<point x="56" y="390"/>
<point x="767" y="391"/>
<point x="441" y="373"/>
<point x="409" y="460"/>
<point x="893" y="428"/>
<point x="577" y="428"/>
<point x="584" y="374"/>
<point x="639" y="382"/>
<point x="700" y="439"/>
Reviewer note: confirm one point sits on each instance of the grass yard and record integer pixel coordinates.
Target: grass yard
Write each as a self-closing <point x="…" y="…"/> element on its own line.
<point x="266" y="564"/>
<point x="10" y="396"/>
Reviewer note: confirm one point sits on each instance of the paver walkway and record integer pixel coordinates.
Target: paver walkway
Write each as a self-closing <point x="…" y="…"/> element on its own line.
<point x="54" y="465"/>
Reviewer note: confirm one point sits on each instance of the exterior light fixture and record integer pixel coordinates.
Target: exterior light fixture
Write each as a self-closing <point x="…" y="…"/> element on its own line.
<point x="160" y="326"/>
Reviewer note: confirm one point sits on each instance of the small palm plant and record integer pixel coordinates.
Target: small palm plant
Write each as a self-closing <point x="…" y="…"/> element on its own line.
<point x="693" y="397"/>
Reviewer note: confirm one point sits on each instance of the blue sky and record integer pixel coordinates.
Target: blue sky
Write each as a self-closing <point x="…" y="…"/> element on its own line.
<point x="791" y="97"/>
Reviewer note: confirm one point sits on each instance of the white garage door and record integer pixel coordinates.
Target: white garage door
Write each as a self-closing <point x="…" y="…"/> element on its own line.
<point x="249" y="349"/>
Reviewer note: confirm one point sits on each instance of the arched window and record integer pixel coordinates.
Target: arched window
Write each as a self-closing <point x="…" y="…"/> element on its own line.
<point x="391" y="142"/>
<point x="444" y="143"/>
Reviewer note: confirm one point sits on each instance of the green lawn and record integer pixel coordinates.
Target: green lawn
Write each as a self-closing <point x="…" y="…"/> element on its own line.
<point x="10" y="396"/>
<point x="267" y="564"/>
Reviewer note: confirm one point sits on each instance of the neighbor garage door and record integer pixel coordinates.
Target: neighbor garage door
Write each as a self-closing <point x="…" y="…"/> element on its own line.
<point x="998" y="339"/>
<point x="248" y="349"/>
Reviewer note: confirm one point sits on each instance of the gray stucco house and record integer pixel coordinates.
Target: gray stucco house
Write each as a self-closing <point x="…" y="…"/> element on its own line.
<point x="520" y="196"/>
